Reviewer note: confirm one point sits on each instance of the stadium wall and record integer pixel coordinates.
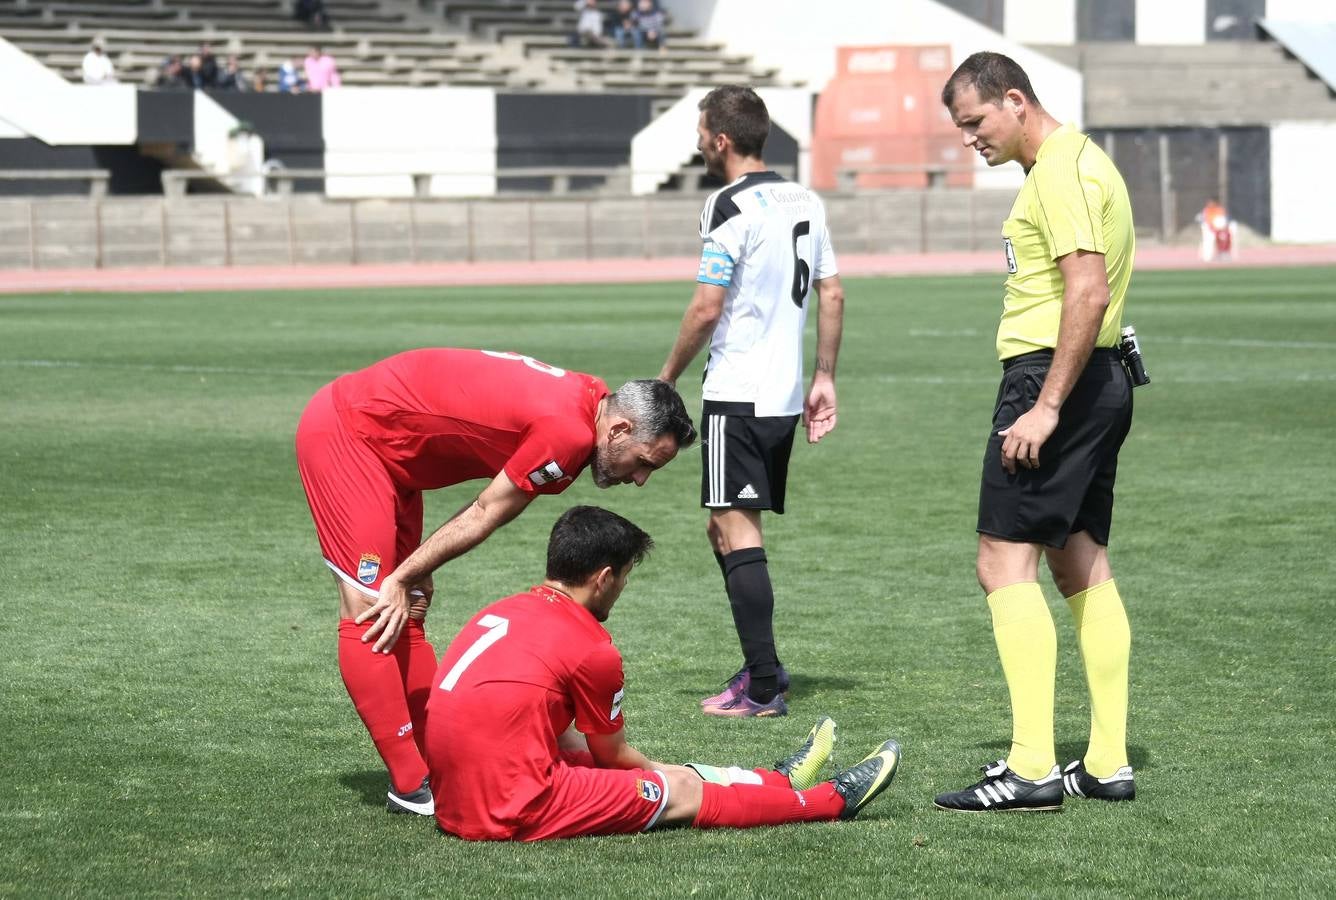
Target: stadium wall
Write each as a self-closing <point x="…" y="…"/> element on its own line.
<point x="1304" y="196"/>
<point x="52" y="110"/>
<point x="42" y="233"/>
<point x="1172" y="172"/>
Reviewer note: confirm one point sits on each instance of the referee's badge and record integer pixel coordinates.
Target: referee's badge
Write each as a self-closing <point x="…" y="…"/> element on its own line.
<point x="1011" y="255"/>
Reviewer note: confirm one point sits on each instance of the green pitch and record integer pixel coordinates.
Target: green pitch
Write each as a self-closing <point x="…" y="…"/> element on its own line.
<point x="174" y="724"/>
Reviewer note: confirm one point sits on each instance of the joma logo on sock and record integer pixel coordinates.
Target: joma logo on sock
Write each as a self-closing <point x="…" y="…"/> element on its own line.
<point x="405" y="729"/>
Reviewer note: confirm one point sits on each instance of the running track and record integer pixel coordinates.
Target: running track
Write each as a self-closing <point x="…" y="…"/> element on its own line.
<point x="603" y="271"/>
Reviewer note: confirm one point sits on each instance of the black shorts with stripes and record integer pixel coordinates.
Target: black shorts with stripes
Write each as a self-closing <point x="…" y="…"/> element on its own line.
<point x="744" y="457"/>
<point x="1072" y="490"/>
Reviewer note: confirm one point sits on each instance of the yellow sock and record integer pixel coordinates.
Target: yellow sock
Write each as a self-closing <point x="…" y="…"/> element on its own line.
<point x="1106" y="645"/>
<point x="1028" y="646"/>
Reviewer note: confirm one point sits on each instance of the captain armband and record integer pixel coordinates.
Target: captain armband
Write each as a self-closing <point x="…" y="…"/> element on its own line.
<point x="716" y="266"/>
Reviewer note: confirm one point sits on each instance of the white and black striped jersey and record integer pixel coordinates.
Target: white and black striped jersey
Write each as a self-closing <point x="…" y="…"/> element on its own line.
<point x="765" y="239"/>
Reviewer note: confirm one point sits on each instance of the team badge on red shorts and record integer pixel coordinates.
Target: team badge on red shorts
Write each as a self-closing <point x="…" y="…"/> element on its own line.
<point x="650" y="790"/>
<point x="368" y="567"/>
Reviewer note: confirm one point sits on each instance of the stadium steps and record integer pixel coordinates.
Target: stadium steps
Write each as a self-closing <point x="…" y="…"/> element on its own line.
<point x="422" y="51"/>
<point x="1211" y="85"/>
<point x="540" y="31"/>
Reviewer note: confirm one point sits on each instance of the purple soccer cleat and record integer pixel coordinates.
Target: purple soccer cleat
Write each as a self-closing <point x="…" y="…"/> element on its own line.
<point x="742" y="706"/>
<point x="738" y="684"/>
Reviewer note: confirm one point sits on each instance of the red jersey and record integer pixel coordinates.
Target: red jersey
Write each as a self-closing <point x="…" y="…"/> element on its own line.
<point x="519" y="673"/>
<point x="441" y="416"/>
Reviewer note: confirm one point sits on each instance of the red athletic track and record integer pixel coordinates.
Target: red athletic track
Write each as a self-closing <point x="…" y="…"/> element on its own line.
<point x="255" y="278"/>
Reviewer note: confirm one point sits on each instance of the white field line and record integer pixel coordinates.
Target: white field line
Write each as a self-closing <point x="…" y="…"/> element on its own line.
<point x="146" y="367"/>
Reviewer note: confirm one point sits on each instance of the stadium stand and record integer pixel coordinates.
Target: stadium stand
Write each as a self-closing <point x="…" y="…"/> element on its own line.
<point x="1212" y="84"/>
<point x="512" y="44"/>
<point x="540" y="29"/>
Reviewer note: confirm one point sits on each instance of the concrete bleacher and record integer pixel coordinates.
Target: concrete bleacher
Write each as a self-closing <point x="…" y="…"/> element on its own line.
<point x="540" y="30"/>
<point x="1208" y="85"/>
<point x="375" y="42"/>
<point x="513" y="44"/>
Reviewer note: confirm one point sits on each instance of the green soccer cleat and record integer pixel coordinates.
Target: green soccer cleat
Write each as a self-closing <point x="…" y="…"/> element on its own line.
<point x="859" y="784"/>
<point x="802" y="766"/>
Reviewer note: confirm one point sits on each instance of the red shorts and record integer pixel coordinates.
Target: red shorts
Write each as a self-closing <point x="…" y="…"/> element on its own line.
<point x="366" y="523"/>
<point x="586" y="801"/>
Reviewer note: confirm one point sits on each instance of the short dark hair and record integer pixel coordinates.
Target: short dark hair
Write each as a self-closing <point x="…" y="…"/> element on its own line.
<point x="737" y="111"/>
<point x="992" y="75"/>
<point x="655" y="409"/>
<point x="587" y="538"/>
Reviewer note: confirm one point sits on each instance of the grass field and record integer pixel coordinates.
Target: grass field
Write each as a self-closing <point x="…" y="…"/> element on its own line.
<point x="174" y="724"/>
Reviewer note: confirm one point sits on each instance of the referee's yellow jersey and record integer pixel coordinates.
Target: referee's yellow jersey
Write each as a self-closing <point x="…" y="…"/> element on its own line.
<point x="1073" y="199"/>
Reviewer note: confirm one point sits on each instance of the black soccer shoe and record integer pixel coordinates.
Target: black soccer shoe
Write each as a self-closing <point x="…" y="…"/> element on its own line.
<point x="1002" y="790"/>
<point x="860" y="783"/>
<point x="417" y="803"/>
<point x="1077" y="782"/>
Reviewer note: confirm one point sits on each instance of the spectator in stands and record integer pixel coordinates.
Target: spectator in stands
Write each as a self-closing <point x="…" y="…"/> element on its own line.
<point x="321" y="71"/>
<point x="231" y="78"/>
<point x="589" y="25"/>
<point x="650" y="22"/>
<point x="258" y="83"/>
<point x="312" y="13"/>
<point x="624" y="24"/>
<point x="289" y="78"/>
<point x="208" y="66"/>
<point x="97" y="67"/>
<point x="192" y="74"/>
<point x="170" y="73"/>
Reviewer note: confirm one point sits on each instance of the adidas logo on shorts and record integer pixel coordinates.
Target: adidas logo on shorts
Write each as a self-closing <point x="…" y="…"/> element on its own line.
<point x="747" y="493"/>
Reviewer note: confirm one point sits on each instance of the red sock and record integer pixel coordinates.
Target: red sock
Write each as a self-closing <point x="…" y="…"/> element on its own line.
<point x="417" y="667"/>
<point x="749" y="805"/>
<point x="773" y="779"/>
<point x="376" y="686"/>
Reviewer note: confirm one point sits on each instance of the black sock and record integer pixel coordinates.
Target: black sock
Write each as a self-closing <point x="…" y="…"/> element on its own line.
<point x="753" y="601"/>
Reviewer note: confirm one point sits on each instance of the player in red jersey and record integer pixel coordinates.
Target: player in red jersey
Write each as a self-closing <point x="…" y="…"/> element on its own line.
<point x="368" y="445"/>
<point x="526" y="737"/>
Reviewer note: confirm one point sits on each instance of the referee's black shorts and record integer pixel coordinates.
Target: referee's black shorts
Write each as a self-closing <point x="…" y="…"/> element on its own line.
<point x="1072" y="490"/>
<point x="744" y="457"/>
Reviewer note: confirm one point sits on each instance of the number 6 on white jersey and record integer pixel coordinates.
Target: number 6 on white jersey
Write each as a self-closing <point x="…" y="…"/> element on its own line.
<point x="496" y="630"/>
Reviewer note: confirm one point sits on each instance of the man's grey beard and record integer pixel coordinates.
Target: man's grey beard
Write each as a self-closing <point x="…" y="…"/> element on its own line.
<point x="600" y="467"/>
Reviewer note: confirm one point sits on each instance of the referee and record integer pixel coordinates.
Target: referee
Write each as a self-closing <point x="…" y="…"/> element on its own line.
<point x="1062" y="412"/>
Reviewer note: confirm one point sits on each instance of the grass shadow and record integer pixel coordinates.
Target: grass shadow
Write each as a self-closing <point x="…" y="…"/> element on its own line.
<point x="371" y="785"/>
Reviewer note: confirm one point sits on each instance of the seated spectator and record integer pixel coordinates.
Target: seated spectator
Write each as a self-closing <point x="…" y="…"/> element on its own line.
<point x="170" y="73"/>
<point x="208" y="66"/>
<point x="321" y="71"/>
<point x="192" y="73"/>
<point x="289" y="78"/>
<point x="624" y="24"/>
<point x="650" y="22"/>
<point x="258" y="83"/>
<point x="231" y="78"/>
<point x="97" y="67"/>
<point x="312" y="13"/>
<point x="589" y="26"/>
